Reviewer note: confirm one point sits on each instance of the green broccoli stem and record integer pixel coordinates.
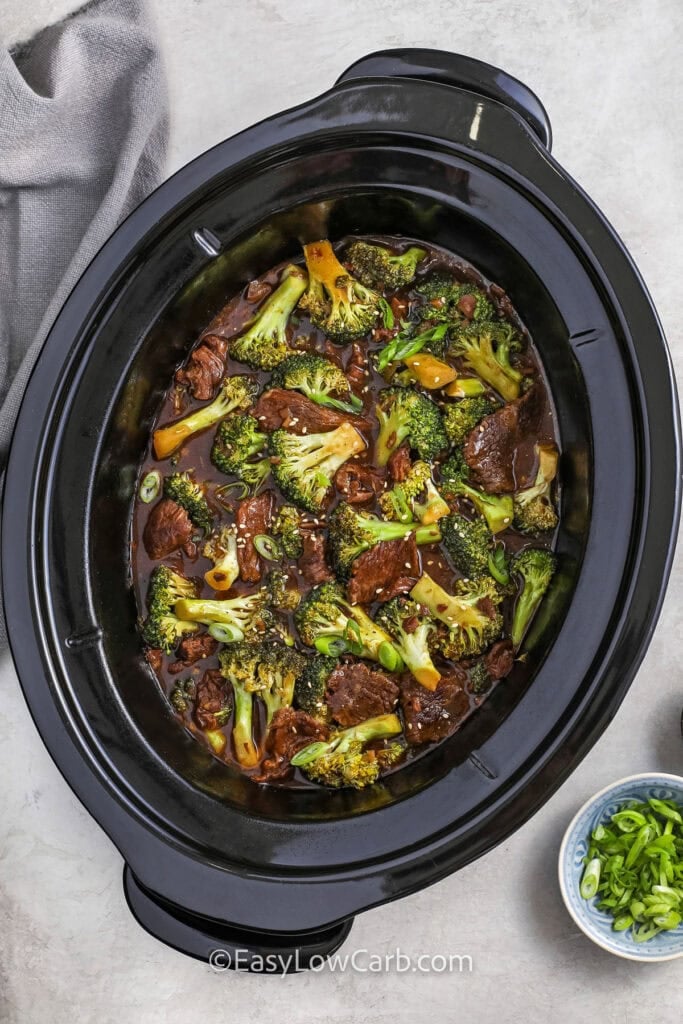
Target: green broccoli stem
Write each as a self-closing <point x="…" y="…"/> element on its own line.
<point x="245" y="748"/>
<point x="377" y="728"/>
<point x="271" y="318"/>
<point x="390" y="530"/>
<point x="485" y="365"/>
<point x="526" y="607"/>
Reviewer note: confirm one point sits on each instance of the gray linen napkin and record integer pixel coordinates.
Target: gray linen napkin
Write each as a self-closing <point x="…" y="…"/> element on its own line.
<point x="83" y="134"/>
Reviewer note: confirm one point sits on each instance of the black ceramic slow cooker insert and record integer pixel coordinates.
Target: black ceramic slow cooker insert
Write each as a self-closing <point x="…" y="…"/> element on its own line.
<point x="419" y="143"/>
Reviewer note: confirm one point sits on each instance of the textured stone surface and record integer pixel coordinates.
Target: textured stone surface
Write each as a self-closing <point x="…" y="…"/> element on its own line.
<point x="610" y="76"/>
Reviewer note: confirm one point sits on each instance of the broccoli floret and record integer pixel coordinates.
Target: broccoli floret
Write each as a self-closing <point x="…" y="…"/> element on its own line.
<point x="276" y="674"/>
<point x="190" y="496"/>
<point x="264" y="344"/>
<point x="245" y="616"/>
<point x="462" y="417"/>
<point x="311" y="686"/>
<point x="287" y="529"/>
<point x="480" y="678"/>
<point x="163" y="628"/>
<point x="444" y="294"/>
<point x="468" y="542"/>
<point x="221" y="548"/>
<point x="343" y="760"/>
<point x="405" y="621"/>
<point x="235" y="393"/>
<point x="284" y="595"/>
<point x="266" y="670"/>
<point x="485" y="347"/>
<point x="336" y="302"/>
<point x="238" y="664"/>
<point x="496" y="509"/>
<point x="381" y="268"/>
<point x="405" y="414"/>
<point x="351" y="533"/>
<point x="533" y="507"/>
<point x="469" y="628"/>
<point x="304" y="465"/>
<point x="318" y="378"/>
<point x="401" y="502"/>
<point x="237" y="440"/>
<point x="535" y="568"/>
<point x="326" y="614"/>
<point x="182" y="695"/>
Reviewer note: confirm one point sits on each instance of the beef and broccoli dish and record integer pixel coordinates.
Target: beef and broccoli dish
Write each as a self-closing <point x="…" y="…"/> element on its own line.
<point x="344" y="525"/>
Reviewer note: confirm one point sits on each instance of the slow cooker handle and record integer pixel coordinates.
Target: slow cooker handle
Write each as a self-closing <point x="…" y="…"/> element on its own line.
<point x="460" y="71"/>
<point x="225" y="946"/>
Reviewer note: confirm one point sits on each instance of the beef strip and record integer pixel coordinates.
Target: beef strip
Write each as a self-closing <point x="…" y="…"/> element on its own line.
<point x="389" y="568"/>
<point x="355" y="693"/>
<point x="257" y="290"/>
<point x="290" y="731"/>
<point x="193" y="648"/>
<point x="356" y="368"/>
<point x="281" y="408"/>
<point x="358" y="483"/>
<point x="431" y="715"/>
<point x="253" y="516"/>
<point x="168" y="528"/>
<point x="213" y="695"/>
<point x="491" y="448"/>
<point x="500" y="659"/>
<point x="311" y="562"/>
<point x="399" y="464"/>
<point x="205" y="368"/>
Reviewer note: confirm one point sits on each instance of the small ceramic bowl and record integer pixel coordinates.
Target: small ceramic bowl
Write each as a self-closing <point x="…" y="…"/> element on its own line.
<point x="594" y="923"/>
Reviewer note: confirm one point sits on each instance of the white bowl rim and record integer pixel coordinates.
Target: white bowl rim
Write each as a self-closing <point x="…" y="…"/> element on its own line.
<point x="640" y="777"/>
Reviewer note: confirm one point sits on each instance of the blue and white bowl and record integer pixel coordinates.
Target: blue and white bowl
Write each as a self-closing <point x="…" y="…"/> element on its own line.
<point x="594" y="923"/>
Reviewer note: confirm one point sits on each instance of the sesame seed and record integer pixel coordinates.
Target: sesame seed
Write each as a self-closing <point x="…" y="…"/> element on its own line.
<point x="407" y="565"/>
<point x="430" y="562"/>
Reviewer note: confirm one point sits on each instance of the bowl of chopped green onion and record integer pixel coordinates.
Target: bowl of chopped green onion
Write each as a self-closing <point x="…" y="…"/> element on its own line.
<point x="621" y="867"/>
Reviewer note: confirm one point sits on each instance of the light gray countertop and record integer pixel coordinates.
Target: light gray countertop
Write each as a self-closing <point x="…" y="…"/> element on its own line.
<point x="610" y="75"/>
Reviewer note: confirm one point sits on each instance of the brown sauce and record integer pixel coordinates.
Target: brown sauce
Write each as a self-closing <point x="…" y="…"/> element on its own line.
<point x="195" y="456"/>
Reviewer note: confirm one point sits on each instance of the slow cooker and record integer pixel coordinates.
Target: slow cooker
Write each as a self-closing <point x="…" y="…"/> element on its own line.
<point x="428" y="145"/>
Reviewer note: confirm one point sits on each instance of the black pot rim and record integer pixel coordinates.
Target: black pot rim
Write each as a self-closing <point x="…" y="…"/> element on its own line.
<point x="35" y="650"/>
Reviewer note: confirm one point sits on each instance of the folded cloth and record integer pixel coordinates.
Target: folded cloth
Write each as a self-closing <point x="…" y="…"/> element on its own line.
<point x="83" y="134"/>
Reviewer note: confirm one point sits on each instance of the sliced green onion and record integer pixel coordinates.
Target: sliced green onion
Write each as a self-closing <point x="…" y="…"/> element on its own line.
<point x="404" y="345"/>
<point x="332" y="646"/>
<point x="267" y="547"/>
<point x="591" y="879"/>
<point x="353" y="637"/>
<point x="635" y="868"/>
<point x="387" y="314"/>
<point x="225" y="633"/>
<point x="629" y="821"/>
<point x="309" y="753"/>
<point x="237" y="489"/>
<point x="389" y="658"/>
<point x="150" y="486"/>
<point x="353" y="404"/>
<point x="666" y="811"/>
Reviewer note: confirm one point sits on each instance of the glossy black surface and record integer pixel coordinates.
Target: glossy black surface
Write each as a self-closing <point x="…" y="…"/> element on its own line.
<point x="421" y="158"/>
